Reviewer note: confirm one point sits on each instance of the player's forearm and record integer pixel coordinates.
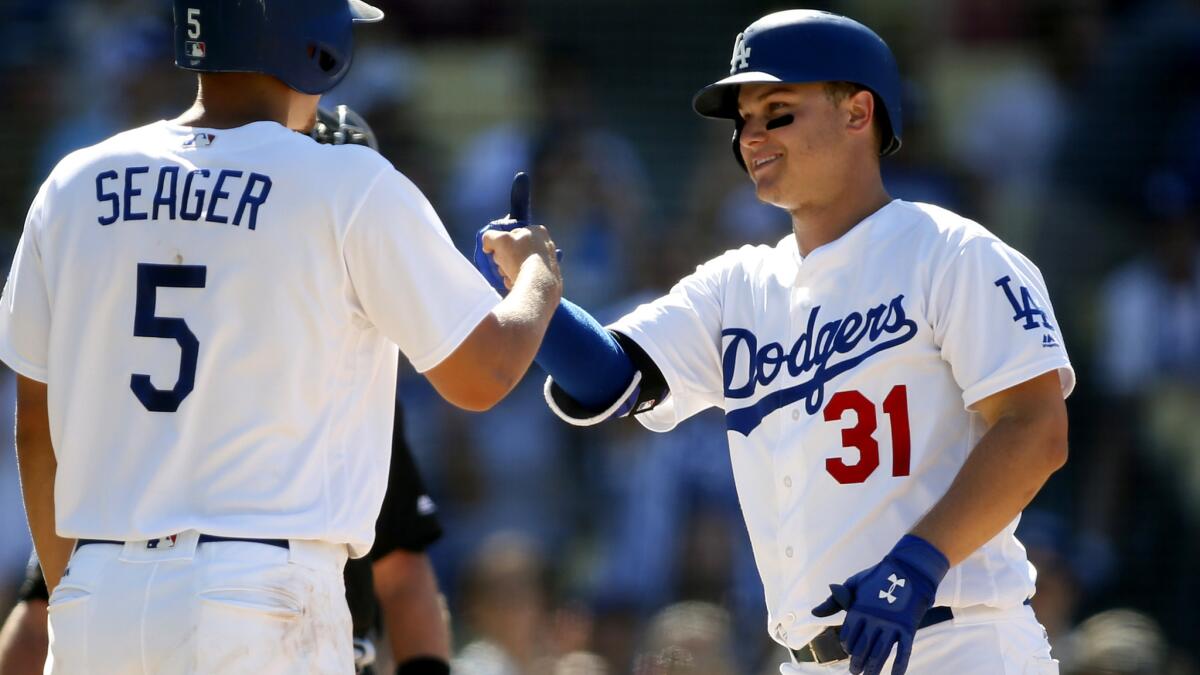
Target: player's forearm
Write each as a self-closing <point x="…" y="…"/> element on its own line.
<point x="494" y="357"/>
<point x="584" y="359"/>
<point x="524" y="315"/>
<point x="24" y="639"/>
<point x="37" y="466"/>
<point x="1000" y="477"/>
<point x="414" y="615"/>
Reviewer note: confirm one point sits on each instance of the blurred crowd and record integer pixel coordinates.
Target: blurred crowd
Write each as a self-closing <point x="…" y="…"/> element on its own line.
<point x="1068" y="127"/>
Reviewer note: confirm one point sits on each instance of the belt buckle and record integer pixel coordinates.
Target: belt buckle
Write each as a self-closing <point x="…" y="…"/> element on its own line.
<point x="805" y="654"/>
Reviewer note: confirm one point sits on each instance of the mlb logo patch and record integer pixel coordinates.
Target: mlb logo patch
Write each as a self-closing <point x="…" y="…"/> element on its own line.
<point x="164" y="542"/>
<point x="200" y="140"/>
<point x="194" y="50"/>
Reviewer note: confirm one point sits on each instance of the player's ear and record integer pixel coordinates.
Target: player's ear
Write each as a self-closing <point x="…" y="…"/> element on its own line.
<point x="860" y="111"/>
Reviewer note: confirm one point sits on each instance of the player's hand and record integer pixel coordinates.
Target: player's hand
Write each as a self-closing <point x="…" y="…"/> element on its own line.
<point x="519" y="217"/>
<point x="884" y="605"/>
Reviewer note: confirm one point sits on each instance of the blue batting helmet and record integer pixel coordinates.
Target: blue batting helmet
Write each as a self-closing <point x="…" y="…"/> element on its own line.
<point x="803" y="45"/>
<point x="308" y="44"/>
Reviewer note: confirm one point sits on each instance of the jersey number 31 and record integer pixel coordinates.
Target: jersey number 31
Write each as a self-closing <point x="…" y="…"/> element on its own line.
<point x="861" y="435"/>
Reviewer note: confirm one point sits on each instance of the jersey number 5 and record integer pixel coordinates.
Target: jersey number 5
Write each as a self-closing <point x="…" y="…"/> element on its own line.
<point x="861" y="435"/>
<point x="150" y="278"/>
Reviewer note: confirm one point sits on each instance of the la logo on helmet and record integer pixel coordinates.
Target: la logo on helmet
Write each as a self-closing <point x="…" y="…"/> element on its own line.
<point x="741" y="55"/>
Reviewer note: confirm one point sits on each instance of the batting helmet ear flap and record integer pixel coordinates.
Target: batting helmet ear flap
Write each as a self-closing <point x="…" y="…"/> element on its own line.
<point x="738" y="125"/>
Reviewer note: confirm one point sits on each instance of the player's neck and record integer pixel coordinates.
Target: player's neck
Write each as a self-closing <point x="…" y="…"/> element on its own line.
<point x="229" y="100"/>
<point x="817" y="224"/>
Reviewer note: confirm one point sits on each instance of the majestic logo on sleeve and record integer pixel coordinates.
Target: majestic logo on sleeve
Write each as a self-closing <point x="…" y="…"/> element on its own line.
<point x="821" y="353"/>
<point x="1024" y="309"/>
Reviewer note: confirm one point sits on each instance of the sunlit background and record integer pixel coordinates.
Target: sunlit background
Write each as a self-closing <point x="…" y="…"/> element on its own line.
<point x="1071" y="128"/>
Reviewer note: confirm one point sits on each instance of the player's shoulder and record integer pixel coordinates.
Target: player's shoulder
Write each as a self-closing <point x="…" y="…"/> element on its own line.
<point x="125" y="143"/>
<point x="750" y="260"/>
<point x="931" y="229"/>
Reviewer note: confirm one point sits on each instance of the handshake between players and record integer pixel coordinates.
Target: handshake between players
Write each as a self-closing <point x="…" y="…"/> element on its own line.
<point x="504" y="246"/>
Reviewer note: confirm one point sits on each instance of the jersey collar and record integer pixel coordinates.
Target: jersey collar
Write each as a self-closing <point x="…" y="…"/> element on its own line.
<point x="841" y="251"/>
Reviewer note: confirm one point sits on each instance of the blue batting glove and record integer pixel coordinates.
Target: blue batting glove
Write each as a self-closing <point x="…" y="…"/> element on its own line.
<point x="884" y="604"/>
<point x="518" y="216"/>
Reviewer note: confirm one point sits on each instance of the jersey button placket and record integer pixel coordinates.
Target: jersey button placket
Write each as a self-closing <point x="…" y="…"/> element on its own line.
<point x="792" y="449"/>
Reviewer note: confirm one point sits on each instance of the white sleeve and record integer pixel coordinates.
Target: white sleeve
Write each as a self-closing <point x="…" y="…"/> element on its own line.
<point x="25" y="305"/>
<point x="409" y="280"/>
<point x="992" y="318"/>
<point x="681" y="333"/>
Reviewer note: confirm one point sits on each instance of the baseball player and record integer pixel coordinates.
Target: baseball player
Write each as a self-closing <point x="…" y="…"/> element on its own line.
<point x="206" y="316"/>
<point x="892" y="375"/>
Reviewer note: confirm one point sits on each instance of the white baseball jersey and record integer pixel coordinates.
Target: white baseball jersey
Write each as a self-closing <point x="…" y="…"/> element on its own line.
<point x="217" y="313"/>
<point x="847" y="379"/>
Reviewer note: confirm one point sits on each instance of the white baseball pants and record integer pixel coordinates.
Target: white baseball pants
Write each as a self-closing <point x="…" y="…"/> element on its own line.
<point x="176" y="606"/>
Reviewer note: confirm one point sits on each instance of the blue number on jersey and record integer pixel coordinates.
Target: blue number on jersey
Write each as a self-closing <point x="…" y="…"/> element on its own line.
<point x="150" y="278"/>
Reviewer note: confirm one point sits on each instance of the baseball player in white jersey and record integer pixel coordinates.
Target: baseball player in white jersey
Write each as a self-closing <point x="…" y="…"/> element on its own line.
<point x="892" y="375"/>
<point x="206" y="316"/>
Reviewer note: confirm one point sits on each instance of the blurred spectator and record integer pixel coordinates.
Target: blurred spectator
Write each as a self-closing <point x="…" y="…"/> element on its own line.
<point x="1123" y="642"/>
<point x="689" y="638"/>
<point x="1151" y="304"/>
<point x="1134" y="113"/>
<point x="506" y="470"/>
<point x="1149" y="365"/>
<point x="581" y="663"/>
<point x="504" y="605"/>
<point x="917" y="173"/>
<point x="674" y="531"/>
<point x="589" y="183"/>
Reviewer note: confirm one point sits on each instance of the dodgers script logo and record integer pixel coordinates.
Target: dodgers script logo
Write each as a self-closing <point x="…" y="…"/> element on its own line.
<point x="838" y="346"/>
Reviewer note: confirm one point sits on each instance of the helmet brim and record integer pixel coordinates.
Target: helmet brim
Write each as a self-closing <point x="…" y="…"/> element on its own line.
<point x="719" y="99"/>
<point x="361" y="12"/>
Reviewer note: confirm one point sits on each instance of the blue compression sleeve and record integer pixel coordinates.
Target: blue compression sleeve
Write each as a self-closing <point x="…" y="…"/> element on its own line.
<point x="584" y="359"/>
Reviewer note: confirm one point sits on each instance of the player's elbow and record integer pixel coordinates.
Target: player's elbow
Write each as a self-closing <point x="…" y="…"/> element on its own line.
<point x="1050" y="432"/>
<point x="478" y="391"/>
<point x="486" y="366"/>
<point x="476" y="401"/>
<point x="472" y="398"/>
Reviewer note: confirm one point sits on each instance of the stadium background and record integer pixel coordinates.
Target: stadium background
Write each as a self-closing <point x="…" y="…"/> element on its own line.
<point x="1069" y="127"/>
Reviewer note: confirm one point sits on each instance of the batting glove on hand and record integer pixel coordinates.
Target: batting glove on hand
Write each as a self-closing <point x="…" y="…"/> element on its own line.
<point x="884" y="605"/>
<point x="520" y="214"/>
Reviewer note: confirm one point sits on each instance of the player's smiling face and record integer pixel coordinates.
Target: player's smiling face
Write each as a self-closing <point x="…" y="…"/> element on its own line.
<point x="794" y="163"/>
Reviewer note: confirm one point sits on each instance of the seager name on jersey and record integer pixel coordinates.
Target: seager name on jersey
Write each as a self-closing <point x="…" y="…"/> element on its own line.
<point x="825" y="353"/>
<point x="225" y="196"/>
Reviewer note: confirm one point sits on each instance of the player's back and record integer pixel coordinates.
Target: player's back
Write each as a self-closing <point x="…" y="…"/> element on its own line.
<point x="210" y="362"/>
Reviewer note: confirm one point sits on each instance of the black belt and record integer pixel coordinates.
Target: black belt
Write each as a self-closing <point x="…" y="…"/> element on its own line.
<point x="827" y="646"/>
<point x="204" y="539"/>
